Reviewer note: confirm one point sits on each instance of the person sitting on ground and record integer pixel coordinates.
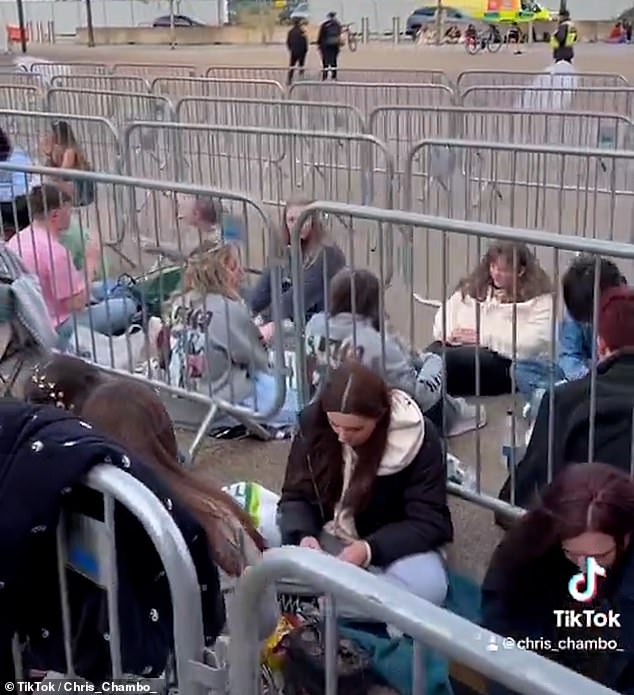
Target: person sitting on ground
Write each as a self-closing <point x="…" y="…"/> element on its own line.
<point x="214" y="344"/>
<point x="141" y="424"/>
<point x="572" y="408"/>
<point x="514" y="296"/>
<point x="61" y="150"/>
<point x="321" y="260"/>
<point x="353" y="327"/>
<point x="574" y="349"/>
<point x="15" y="186"/>
<point x="366" y="479"/>
<point x="585" y="515"/>
<point x="63" y="286"/>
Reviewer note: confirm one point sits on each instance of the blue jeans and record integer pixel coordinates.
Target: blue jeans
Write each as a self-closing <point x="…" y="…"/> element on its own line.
<point x="107" y="317"/>
<point x="531" y="375"/>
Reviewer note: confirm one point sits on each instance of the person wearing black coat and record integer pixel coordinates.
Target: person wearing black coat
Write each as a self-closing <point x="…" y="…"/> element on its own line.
<point x="571" y="410"/>
<point x="46" y="452"/>
<point x="587" y="512"/>
<point x="297" y="44"/>
<point x="366" y="474"/>
<point x="329" y="45"/>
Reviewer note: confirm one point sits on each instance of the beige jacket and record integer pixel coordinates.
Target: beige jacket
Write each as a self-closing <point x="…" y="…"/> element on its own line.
<point x="496" y="323"/>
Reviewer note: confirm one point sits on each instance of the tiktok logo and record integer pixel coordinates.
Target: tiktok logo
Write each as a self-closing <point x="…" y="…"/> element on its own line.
<point x="586" y="579"/>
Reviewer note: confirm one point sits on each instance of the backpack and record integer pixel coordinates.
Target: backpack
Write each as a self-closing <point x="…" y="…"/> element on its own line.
<point x="305" y="663"/>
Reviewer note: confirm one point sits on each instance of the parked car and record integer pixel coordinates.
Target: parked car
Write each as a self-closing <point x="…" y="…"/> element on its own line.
<point x="293" y="10"/>
<point x="424" y="16"/>
<point x="180" y="20"/>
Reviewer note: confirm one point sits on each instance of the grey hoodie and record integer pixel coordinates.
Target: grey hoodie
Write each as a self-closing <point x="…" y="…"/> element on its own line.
<point x="329" y="341"/>
<point x="216" y="348"/>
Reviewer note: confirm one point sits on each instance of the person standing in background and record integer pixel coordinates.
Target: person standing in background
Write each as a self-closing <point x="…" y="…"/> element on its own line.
<point x="297" y="44"/>
<point x="329" y="44"/>
<point x="564" y="39"/>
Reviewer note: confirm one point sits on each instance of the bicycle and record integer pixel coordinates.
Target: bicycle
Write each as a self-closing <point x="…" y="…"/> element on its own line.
<point x="490" y="39"/>
<point x="351" y="37"/>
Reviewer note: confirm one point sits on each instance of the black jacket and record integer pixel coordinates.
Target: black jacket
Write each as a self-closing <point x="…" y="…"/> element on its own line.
<point x="329" y="36"/>
<point x="44" y="454"/>
<point x="519" y="603"/>
<point x="407" y="512"/>
<point x="571" y="418"/>
<point x="296" y="41"/>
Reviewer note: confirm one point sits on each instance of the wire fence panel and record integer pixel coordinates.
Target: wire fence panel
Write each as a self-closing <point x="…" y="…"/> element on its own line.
<point x="15" y="96"/>
<point x="176" y="88"/>
<point x="510" y="78"/>
<point x="367" y="96"/>
<point x="563" y="98"/>
<point x="432" y="254"/>
<point x="256" y="72"/>
<point x="431" y="627"/>
<point x="96" y="135"/>
<point x="48" y="70"/>
<point x="22" y="78"/>
<point x="295" y="115"/>
<point x="270" y="165"/>
<point x="589" y="193"/>
<point x="143" y="235"/>
<point x="102" y="83"/>
<point x="151" y="70"/>
<point x="118" y="107"/>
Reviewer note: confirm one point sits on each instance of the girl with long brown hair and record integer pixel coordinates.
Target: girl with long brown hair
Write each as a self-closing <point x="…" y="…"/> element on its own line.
<point x="513" y="296"/>
<point x="585" y="519"/>
<point x="366" y="479"/>
<point x="134" y="416"/>
<point x="321" y="259"/>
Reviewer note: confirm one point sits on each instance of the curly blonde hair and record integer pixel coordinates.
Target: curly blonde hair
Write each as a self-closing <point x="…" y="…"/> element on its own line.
<point x="207" y="269"/>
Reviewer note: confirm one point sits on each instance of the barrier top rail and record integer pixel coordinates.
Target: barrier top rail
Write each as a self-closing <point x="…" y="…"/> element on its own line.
<point x="167" y="69"/>
<point x="109" y="83"/>
<point x="45" y="67"/>
<point x="465" y="75"/>
<point x="462" y="641"/>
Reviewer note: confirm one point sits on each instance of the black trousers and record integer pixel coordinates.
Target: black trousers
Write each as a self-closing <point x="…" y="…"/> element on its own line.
<point x="495" y="370"/>
<point x="15" y="216"/>
<point x="299" y="60"/>
<point x="329" y="58"/>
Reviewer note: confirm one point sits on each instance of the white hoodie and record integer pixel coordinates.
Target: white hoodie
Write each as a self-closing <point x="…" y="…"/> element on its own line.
<point x="405" y="437"/>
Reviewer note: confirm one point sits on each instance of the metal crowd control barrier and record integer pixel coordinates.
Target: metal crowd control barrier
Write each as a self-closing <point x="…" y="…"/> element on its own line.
<point x="510" y="78"/>
<point x="179" y="87"/>
<point x="158" y="223"/>
<point x="97" y="136"/>
<point x="22" y="78"/>
<point x="268" y="164"/>
<point x="80" y="536"/>
<point x="383" y="75"/>
<point x="17" y="96"/>
<point x="589" y="192"/>
<point x="118" y="107"/>
<point x="367" y="96"/>
<point x="102" y="83"/>
<point x="566" y="96"/>
<point x="151" y="70"/>
<point x="432" y="254"/>
<point x="275" y="113"/>
<point x="47" y="69"/>
<point x="430" y="626"/>
<point x="399" y="127"/>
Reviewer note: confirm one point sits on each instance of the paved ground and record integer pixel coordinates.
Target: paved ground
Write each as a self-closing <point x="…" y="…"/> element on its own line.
<point x="232" y="461"/>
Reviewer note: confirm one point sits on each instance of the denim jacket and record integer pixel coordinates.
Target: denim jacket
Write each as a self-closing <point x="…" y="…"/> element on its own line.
<point x="575" y="348"/>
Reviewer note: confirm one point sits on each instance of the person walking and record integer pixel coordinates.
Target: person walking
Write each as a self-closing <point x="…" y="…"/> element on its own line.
<point x="329" y="44"/>
<point x="297" y="45"/>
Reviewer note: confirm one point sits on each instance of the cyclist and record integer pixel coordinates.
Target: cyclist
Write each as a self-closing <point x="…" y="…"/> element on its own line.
<point x="329" y="44"/>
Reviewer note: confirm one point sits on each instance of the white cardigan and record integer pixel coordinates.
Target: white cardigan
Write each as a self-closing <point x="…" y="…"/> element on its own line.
<point x="533" y="332"/>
